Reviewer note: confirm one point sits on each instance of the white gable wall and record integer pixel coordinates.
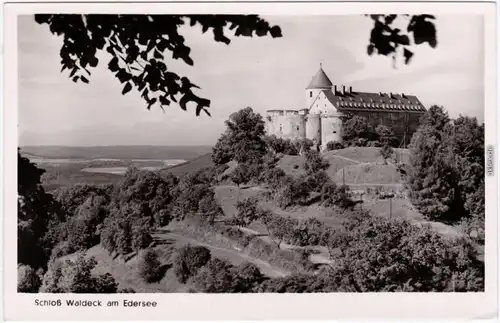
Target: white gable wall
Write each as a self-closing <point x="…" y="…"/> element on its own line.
<point x="322" y="105"/>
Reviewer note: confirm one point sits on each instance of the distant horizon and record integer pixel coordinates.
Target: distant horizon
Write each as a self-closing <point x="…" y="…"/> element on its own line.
<point x="245" y="73"/>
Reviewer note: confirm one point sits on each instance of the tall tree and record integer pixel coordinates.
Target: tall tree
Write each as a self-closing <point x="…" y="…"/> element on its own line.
<point x="36" y="209"/>
<point x="446" y="169"/>
<point x="243" y="140"/>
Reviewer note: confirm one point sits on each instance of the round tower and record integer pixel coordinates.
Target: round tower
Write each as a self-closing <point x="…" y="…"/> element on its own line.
<point x="331" y="129"/>
<point x="313" y="128"/>
<point x="320" y="82"/>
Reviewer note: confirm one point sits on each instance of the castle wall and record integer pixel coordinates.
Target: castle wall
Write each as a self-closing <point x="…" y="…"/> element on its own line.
<point x="286" y="124"/>
<point x="313" y="128"/>
<point x="331" y="129"/>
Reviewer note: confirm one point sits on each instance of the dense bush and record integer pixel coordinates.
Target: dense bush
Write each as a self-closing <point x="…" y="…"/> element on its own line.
<point x="333" y="195"/>
<point x="76" y="277"/>
<point x="248" y="276"/>
<point x="315" y="181"/>
<point x="154" y="192"/>
<point x="82" y="230"/>
<point x="314" y="162"/>
<point x="274" y="178"/>
<point x="334" y="145"/>
<point x="247" y="211"/>
<point x="308" y="232"/>
<point x="386" y="152"/>
<point x="195" y="196"/>
<point x="217" y="276"/>
<point x="28" y="281"/>
<point x="126" y="229"/>
<point x="293" y="191"/>
<point x="379" y="254"/>
<point x="281" y="146"/>
<point x="150" y="268"/>
<point x="374" y="254"/>
<point x="356" y="131"/>
<point x="220" y="276"/>
<point x="241" y="175"/>
<point x="208" y="208"/>
<point x="295" y="283"/>
<point x="386" y="136"/>
<point x="72" y="197"/>
<point x="279" y="228"/>
<point x="189" y="260"/>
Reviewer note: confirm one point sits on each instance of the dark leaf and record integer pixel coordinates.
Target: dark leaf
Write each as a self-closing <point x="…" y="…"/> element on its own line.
<point x="113" y="64"/>
<point x="408" y="55"/>
<point x="370" y="49"/>
<point x="127" y="88"/>
<point x="84" y="79"/>
<point x="123" y="76"/>
<point x="93" y="61"/>
<point x="390" y="19"/>
<point x="183" y="102"/>
<point x="158" y="55"/>
<point x="276" y="32"/>
<point x="73" y="72"/>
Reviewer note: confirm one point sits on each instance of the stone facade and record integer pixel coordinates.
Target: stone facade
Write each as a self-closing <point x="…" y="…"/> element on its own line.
<point x="327" y="105"/>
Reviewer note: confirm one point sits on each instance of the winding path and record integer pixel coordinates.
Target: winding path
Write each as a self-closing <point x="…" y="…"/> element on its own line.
<point x="232" y="255"/>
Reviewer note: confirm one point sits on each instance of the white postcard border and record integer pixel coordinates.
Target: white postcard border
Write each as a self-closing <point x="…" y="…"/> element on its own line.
<point x="248" y="306"/>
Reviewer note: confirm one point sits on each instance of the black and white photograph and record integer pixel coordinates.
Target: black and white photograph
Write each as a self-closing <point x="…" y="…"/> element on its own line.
<point x="248" y="153"/>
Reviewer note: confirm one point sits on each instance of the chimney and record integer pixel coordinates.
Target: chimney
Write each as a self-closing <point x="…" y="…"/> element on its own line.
<point x="343" y="89"/>
<point x="350" y="89"/>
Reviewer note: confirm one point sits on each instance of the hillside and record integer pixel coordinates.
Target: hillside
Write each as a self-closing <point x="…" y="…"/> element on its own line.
<point x="356" y="165"/>
<point x="192" y="165"/>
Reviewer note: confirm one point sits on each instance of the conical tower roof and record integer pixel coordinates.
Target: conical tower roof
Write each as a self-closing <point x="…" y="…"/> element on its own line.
<point x="320" y="81"/>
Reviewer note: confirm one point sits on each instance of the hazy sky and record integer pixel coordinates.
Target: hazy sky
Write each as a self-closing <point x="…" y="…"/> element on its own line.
<point x="262" y="73"/>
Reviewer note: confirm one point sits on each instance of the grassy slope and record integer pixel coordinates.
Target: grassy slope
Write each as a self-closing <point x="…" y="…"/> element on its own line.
<point x="365" y="160"/>
<point x="192" y="165"/>
<point x="359" y="165"/>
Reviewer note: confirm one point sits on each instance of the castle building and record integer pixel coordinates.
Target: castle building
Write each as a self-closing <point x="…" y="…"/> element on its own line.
<point x="327" y="106"/>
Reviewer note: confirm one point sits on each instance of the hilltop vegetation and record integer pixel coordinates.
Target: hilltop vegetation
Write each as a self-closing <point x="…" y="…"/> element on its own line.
<point x="260" y="220"/>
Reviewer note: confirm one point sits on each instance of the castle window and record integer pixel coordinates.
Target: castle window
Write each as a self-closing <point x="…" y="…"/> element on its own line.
<point x="310" y="94"/>
<point x="297" y="128"/>
<point x="334" y="131"/>
<point x="281" y="128"/>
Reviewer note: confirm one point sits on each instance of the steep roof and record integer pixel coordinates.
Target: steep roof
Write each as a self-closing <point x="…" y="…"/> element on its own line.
<point x="320" y="81"/>
<point x="374" y="101"/>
